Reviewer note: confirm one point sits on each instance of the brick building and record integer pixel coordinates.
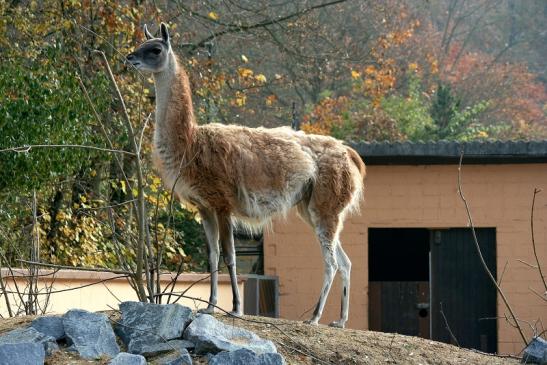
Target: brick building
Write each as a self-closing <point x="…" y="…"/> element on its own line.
<point x="411" y="249"/>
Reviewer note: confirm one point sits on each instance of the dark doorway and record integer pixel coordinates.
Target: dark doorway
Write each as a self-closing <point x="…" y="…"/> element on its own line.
<point x="399" y="281"/>
<point x="407" y="266"/>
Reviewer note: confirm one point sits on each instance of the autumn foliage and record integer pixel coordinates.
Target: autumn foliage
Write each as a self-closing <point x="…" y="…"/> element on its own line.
<point x="493" y="99"/>
<point x="388" y="70"/>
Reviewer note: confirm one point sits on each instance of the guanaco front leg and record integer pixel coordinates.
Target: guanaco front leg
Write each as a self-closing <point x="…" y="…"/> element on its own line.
<point x="228" y="251"/>
<point x="210" y="225"/>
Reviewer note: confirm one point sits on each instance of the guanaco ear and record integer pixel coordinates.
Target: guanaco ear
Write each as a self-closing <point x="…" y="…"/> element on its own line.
<point x="164" y="33"/>
<point x="147" y="34"/>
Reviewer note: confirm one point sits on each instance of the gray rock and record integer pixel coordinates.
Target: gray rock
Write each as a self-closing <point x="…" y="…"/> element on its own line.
<point x="246" y="357"/>
<point x="90" y="334"/>
<point x="51" y="326"/>
<point x="211" y="335"/>
<point x="30" y="335"/>
<point x="24" y="353"/>
<point x="175" y="358"/>
<point x="148" y="345"/>
<point x="535" y="352"/>
<point x="168" y="321"/>
<point x="123" y="358"/>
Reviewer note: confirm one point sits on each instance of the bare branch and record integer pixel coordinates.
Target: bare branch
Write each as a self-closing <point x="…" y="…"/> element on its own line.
<point x="502" y="273"/>
<point x="237" y="28"/>
<point x="251" y="321"/>
<point x="447" y="326"/>
<point x="77" y="287"/>
<point x="94" y="269"/>
<point x="479" y="252"/>
<point x="536" y="191"/>
<point x="28" y="148"/>
<point x="527" y="264"/>
<point x="141" y="209"/>
<point x="542" y="297"/>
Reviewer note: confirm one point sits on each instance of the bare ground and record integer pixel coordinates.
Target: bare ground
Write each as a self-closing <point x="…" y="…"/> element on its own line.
<point x="300" y="343"/>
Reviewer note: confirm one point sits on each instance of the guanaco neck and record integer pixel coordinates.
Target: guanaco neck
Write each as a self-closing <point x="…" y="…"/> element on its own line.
<point x="175" y="122"/>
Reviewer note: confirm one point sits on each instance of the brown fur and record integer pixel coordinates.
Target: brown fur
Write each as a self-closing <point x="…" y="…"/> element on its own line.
<point x="218" y="160"/>
<point x="248" y="175"/>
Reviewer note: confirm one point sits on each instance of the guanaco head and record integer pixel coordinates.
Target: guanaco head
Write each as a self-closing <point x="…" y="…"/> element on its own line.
<point x="153" y="55"/>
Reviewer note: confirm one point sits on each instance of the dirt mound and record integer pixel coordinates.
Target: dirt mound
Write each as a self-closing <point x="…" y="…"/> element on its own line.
<point x="300" y="343"/>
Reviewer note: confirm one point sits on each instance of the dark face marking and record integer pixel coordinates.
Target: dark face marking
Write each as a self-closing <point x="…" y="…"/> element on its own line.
<point x="150" y="56"/>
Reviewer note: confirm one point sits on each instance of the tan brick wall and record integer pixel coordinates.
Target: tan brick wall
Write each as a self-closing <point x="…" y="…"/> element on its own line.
<point x="105" y="296"/>
<point x="422" y="196"/>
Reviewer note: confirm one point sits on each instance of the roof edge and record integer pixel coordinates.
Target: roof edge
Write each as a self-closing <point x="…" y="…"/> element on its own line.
<point x="445" y="152"/>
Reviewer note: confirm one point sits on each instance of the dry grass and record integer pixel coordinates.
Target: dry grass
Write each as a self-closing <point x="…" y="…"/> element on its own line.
<point x="300" y="343"/>
<point x="336" y="346"/>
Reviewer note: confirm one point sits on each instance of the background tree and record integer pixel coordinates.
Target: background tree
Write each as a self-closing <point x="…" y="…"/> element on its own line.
<point x="387" y="70"/>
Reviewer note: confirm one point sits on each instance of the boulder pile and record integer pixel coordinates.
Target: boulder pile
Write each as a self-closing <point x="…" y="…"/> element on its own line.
<point x="146" y="334"/>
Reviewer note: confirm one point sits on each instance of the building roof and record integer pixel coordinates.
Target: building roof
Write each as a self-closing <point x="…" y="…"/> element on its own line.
<point x="445" y="152"/>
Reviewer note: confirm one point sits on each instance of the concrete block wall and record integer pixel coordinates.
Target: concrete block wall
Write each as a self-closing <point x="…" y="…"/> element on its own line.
<point x="424" y="196"/>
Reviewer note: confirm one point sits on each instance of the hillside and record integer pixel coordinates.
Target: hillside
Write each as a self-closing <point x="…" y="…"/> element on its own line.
<point x="304" y="344"/>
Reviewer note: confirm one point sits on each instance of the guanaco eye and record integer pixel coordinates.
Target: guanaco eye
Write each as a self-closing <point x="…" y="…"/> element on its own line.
<point x="156" y="51"/>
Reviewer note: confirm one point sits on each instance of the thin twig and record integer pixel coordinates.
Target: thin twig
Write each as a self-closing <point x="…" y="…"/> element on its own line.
<point x="95" y="269"/>
<point x="536" y="191"/>
<point x="3" y="287"/>
<point x="447" y="326"/>
<point x="28" y="148"/>
<point x="140" y="184"/>
<point x="503" y="356"/>
<point x="20" y="275"/>
<point x="503" y="272"/>
<point x="390" y="347"/>
<point x="142" y="131"/>
<point x="34" y="256"/>
<point x="105" y="134"/>
<point x="122" y="56"/>
<point x="189" y="287"/>
<point x="479" y="253"/>
<point x="77" y="287"/>
<point x="543" y="297"/>
<point x="112" y="293"/>
<point x="130" y="201"/>
<point x="291" y="338"/>
<point x="527" y="264"/>
<point x="21" y="299"/>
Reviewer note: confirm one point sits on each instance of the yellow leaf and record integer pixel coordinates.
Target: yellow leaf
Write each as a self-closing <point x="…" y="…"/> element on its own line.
<point x="370" y="70"/>
<point x="241" y="100"/>
<point x="213" y="15"/>
<point x="261" y="78"/>
<point x="245" y="72"/>
<point x="355" y="74"/>
<point x="93" y="173"/>
<point x="244" y="58"/>
<point x="271" y="99"/>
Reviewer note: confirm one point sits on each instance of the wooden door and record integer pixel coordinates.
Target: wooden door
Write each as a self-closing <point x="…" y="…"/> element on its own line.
<point x="399" y="307"/>
<point x="461" y="289"/>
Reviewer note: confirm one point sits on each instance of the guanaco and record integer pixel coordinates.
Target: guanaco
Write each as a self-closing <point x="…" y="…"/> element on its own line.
<point x="239" y="175"/>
